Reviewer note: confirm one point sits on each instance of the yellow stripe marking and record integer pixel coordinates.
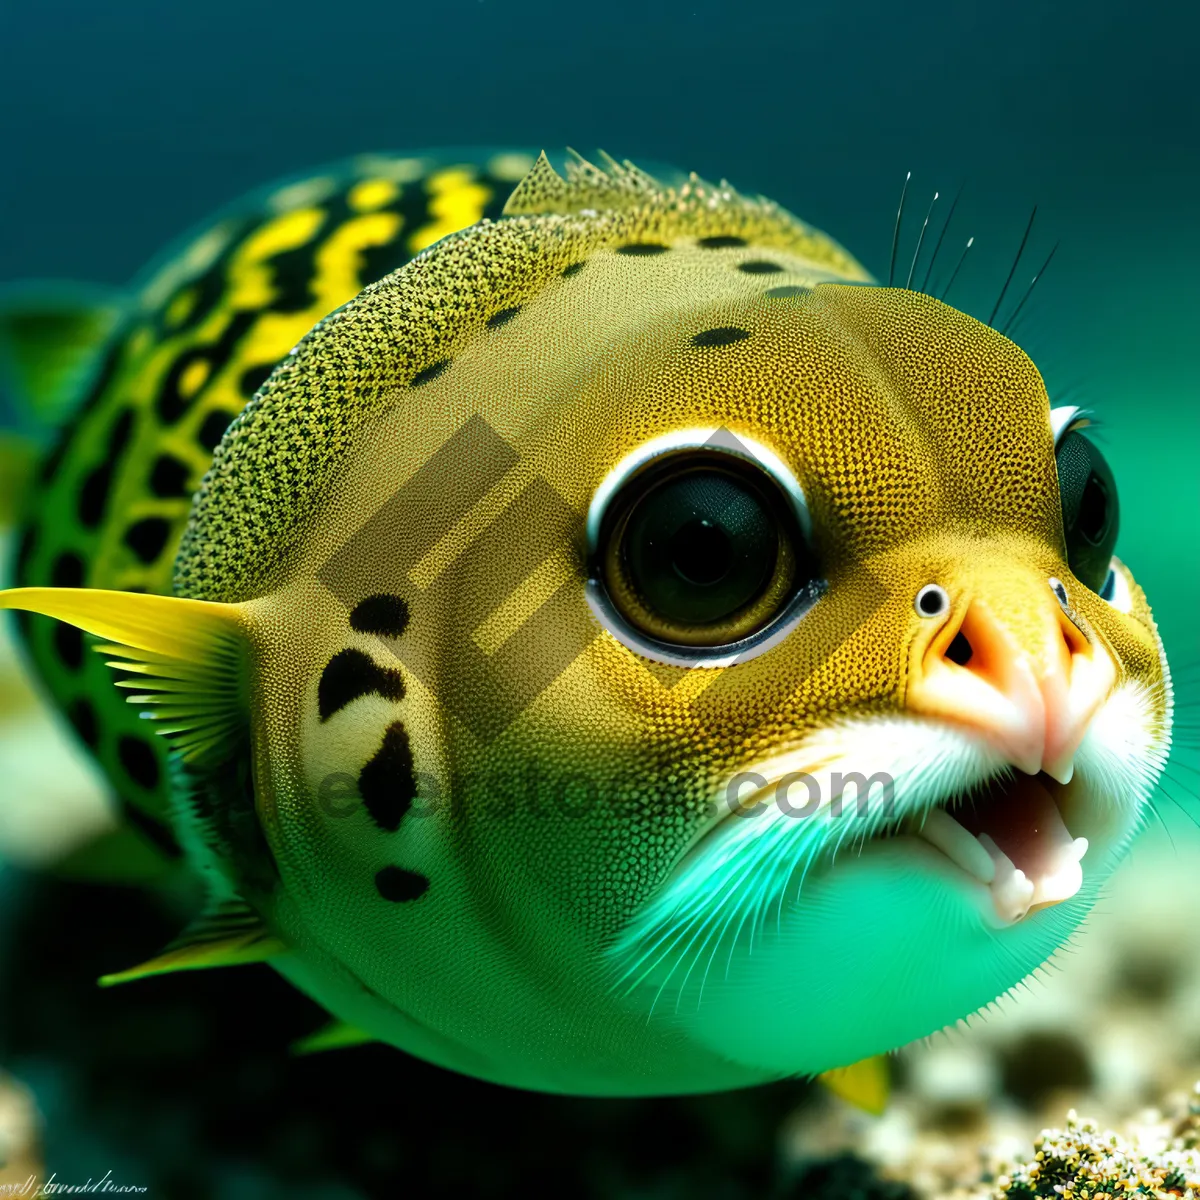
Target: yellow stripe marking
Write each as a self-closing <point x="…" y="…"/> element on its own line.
<point x="371" y="194"/>
<point x="456" y="200"/>
<point x="250" y="279"/>
<point x="193" y="378"/>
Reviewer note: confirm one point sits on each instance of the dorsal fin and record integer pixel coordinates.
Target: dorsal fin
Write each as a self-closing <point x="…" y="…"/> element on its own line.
<point x="615" y="186"/>
<point x="188" y="656"/>
<point x="226" y="935"/>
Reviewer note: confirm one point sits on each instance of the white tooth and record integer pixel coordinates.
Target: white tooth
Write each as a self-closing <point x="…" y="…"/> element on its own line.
<point x="957" y="844"/>
<point x="1012" y="895"/>
<point x="1066" y="878"/>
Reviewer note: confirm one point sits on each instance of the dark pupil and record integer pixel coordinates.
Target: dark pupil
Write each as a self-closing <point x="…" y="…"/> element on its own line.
<point x="700" y="546"/>
<point x="1090" y="511"/>
<point x="702" y="552"/>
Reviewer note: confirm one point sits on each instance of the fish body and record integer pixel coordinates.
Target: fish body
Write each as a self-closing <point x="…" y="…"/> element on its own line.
<point x="533" y="619"/>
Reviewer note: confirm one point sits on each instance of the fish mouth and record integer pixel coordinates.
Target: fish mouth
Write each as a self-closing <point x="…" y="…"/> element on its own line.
<point x="1012" y="837"/>
<point x="1017" y="840"/>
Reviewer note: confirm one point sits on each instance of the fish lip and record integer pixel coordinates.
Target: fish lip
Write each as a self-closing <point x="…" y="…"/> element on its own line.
<point x="1070" y="798"/>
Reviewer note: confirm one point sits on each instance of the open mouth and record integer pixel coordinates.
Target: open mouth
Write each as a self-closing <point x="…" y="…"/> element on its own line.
<point x="1013" y="838"/>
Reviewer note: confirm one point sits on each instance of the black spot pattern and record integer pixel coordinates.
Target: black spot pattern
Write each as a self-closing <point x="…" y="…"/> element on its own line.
<point x="93" y="495"/>
<point x="787" y="291"/>
<point x="212" y="429"/>
<point x="760" y="266"/>
<point x="429" y="374"/>
<point x="724" y="335"/>
<point x="25" y="552"/>
<point x="67" y="571"/>
<point x="573" y="269"/>
<point x="169" y="478"/>
<point x="721" y="242"/>
<point x="82" y="715"/>
<point x="139" y="762"/>
<point x="642" y="249"/>
<point x="253" y="378"/>
<point x="350" y="674"/>
<point x="68" y="645"/>
<point x="171" y="403"/>
<point x="156" y="834"/>
<point x="387" y="783"/>
<point x="383" y="615"/>
<point x="398" y="885"/>
<point x="502" y="317"/>
<point x="148" y="538"/>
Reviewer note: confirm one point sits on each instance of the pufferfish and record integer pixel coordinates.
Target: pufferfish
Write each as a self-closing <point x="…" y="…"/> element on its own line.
<point x="622" y="649"/>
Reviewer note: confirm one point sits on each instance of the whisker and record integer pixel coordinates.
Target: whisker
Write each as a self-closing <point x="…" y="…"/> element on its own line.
<point x="941" y="238"/>
<point x="1028" y="291"/>
<point x="1013" y="268"/>
<point x="896" y="231"/>
<point x="957" y="268"/>
<point x="917" y="252"/>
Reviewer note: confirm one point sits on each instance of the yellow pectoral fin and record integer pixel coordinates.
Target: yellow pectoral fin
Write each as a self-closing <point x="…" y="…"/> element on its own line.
<point x="337" y="1035"/>
<point x="228" y="936"/>
<point x="866" y="1084"/>
<point x="188" y="657"/>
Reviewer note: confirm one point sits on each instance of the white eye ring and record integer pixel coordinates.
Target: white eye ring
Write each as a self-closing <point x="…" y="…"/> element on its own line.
<point x="1065" y="418"/>
<point x="932" y="601"/>
<point x="1116" y="589"/>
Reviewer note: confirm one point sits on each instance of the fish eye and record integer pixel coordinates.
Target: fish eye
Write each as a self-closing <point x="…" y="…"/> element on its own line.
<point x="1090" y="509"/>
<point x="699" y="549"/>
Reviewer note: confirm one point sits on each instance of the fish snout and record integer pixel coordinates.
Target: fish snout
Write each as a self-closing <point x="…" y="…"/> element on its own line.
<point x="1009" y="663"/>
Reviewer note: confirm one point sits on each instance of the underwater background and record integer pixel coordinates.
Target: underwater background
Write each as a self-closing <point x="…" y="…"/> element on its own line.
<point x="128" y="123"/>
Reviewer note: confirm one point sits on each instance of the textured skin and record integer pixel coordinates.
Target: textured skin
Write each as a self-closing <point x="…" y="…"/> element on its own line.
<point x="207" y="324"/>
<point x="504" y="887"/>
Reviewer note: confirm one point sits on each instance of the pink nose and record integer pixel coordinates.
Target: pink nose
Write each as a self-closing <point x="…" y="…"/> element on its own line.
<point x="1024" y="678"/>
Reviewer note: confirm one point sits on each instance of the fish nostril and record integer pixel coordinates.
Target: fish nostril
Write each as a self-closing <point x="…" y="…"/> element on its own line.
<point x="959" y="651"/>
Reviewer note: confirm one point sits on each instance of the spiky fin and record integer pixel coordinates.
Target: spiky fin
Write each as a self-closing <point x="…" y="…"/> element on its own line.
<point x="587" y="186"/>
<point x="187" y="656"/>
<point x="228" y="935"/>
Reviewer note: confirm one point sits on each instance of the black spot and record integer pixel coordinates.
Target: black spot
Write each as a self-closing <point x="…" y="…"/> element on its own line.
<point x="93" y="496"/>
<point x="725" y="335"/>
<point x="387" y="784"/>
<point x="350" y="674"/>
<point x="148" y="538"/>
<point x="83" y="716"/>
<point x="573" y="269"/>
<point x="171" y="403"/>
<point x="213" y="428"/>
<point x="253" y="378"/>
<point x="642" y="249"/>
<point x="67" y="571"/>
<point x="429" y="373"/>
<point x="721" y="242"/>
<point x="384" y="615"/>
<point x="399" y="885"/>
<point x="760" y="266"/>
<point x="786" y="291"/>
<point x="25" y="553"/>
<point x="502" y="317"/>
<point x="140" y="762"/>
<point x="169" y="477"/>
<point x="68" y="644"/>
